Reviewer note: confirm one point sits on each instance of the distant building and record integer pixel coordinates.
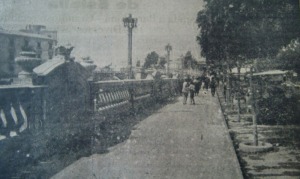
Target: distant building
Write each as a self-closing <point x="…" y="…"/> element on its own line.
<point x="34" y="38"/>
<point x="176" y="66"/>
<point x="40" y="29"/>
<point x="107" y="74"/>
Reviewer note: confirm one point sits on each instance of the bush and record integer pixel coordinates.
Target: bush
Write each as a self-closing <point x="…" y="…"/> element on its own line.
<point x="278" y="109"/>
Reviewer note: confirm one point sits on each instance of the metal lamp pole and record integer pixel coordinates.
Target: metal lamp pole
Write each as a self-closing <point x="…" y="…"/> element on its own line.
<point x="168" y="48"/>
<point x="130" y="23"/>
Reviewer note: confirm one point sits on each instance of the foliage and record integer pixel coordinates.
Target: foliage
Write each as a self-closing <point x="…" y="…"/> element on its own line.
<point x="288" y="57"/>
<point x="189" y="61"/>
<point x="277" y="109"/>
<point x="265" y="64"/>
<point x="138" y="63"/>
<point x="232" y="29"/>
<point x="151" y="59"/>
<point x="168" y="47"/>
<point x="162" y="62"/>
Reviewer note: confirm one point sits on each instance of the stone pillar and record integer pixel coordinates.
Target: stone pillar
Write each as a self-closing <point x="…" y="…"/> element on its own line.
<point x="12" y="50"/>
<point x="50" y="50"/>
<point x="39" y="50"/>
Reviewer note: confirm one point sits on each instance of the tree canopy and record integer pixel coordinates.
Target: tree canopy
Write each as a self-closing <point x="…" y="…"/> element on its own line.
<point x="234" y="30"/>
<point x="162" y="62"/>
<point x="151" y="59"/>
<point x="189" y="61"/>
<point x="288" y="57"/>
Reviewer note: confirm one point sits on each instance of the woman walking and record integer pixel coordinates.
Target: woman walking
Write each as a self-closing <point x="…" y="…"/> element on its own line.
<point x="197" y="86"/>
<point x="185" y="90"/>
<point x="192" y="93"/>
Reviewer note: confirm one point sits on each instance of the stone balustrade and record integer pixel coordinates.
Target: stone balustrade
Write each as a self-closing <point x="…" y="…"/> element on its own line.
<point x="36" y="107"/>
<point x="107" y="95"/>
<point x="21" y="108"/>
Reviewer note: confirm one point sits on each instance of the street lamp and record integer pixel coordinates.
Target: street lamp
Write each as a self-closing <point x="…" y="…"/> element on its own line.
<point x="130" y="23"/>
<point x="168" y="48"/>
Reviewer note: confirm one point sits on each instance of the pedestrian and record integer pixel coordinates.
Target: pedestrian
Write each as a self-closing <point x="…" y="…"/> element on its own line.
<point x="192" y="93"/>
<point x="206" y="83"/>
<point x="213" y="85"/>
<point x="224" y="90"/>
<point x="180" y="83"/>
<point x="185" y="90"/>
<point x="197" y="86"/>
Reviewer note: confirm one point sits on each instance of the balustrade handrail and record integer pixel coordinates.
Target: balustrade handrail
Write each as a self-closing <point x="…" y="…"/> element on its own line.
<point x="110" y="94"/>
<point x="128" y="81"/>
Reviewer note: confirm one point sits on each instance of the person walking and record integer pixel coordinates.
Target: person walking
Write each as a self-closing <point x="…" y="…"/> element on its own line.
<point x="197" y="86"/>
<point x="185" y="90"/>
<point x="206" y="83"/>
<point x="213" y="85"/>
<point x="192" y="93"/>
<point x="225" y="90"/>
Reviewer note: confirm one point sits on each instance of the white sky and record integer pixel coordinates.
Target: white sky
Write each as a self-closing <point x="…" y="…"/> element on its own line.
<point x="96" y="29"/>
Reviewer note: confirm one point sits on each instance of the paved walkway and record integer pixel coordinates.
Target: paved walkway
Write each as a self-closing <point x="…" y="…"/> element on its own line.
<point x="179" y="141"/>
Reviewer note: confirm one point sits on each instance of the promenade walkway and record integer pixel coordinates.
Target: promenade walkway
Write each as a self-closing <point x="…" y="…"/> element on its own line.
<point x="178" y="141"/>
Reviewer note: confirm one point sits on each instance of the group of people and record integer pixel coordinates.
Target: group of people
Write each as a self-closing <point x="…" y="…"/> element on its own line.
<point x="188" y="88"/>
<point x="192" y="86"/>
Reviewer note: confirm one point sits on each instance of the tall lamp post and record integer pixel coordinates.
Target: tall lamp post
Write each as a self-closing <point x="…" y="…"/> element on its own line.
<point x="168" y="48"/>
<point x="130" y="23"/>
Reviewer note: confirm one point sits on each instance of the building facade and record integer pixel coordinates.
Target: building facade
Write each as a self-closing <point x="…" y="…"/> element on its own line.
<point x="32" y="38"/>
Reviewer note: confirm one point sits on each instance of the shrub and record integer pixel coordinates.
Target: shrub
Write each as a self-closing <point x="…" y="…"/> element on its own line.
<point x="277" y="109"/>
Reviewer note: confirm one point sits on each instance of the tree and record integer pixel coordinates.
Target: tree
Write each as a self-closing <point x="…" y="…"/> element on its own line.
<point x="151" y="59"/>
<point x="250" y="29"/>
<point x="138" y="63"/>
<point x="189" y="61"/>
<point x="162" y="62"/>
<point x="288" y="57"/>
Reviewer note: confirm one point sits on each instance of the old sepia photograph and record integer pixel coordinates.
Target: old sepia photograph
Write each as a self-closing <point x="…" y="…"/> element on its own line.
<point x="149" y="89"/>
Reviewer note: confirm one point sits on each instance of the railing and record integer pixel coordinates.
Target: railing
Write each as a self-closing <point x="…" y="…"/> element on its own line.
<point x="53" y="121"/>
<point x="106" y="95"/>
<point x="21" y="108"/>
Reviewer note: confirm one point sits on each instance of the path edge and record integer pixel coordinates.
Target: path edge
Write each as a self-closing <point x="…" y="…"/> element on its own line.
<point x="228" y="136"/>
